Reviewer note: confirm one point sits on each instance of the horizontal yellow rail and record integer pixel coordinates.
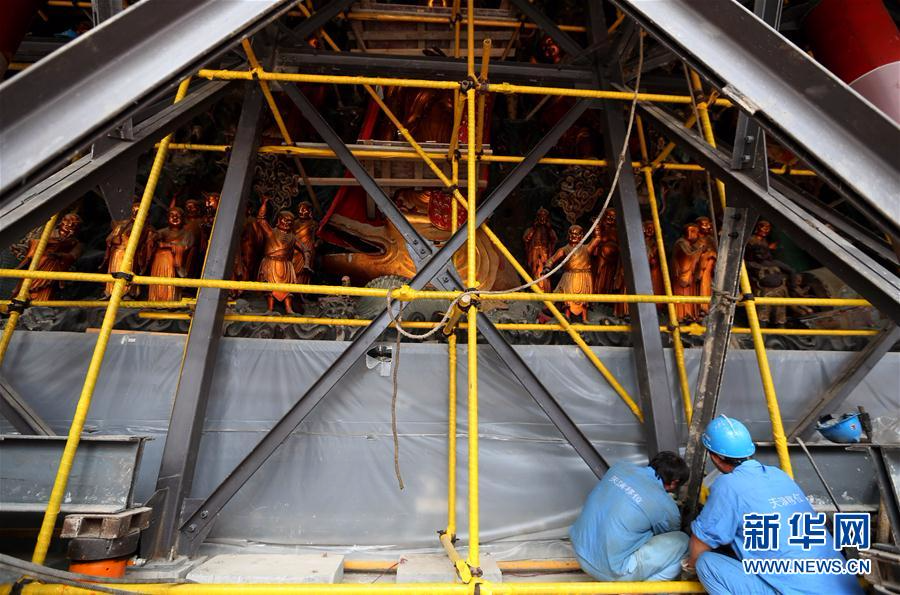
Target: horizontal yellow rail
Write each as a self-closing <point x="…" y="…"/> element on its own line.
<point x="693" y="329"/>
<point x="406" y="293"/>
<point x="506" y="88"/>
<point x="572" y="588"/>
<point x="316" y="152"/>
<point x="447" y="20"/>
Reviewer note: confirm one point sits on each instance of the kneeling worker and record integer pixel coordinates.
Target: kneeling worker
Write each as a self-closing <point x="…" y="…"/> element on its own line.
<point x="628" y="529"/>
<point x="750" y="488"/>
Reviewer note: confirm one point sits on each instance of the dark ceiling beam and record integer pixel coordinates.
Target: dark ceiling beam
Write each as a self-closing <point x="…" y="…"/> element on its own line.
<point x="21" y="213"/>
<point x="433" y="68"/>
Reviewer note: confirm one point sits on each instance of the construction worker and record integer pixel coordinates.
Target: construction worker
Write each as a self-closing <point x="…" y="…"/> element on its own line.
<point x="741" y="512"/>
<point x="628" y="528"/>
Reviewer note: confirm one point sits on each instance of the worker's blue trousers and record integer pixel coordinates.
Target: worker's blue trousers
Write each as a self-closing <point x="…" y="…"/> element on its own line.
<point x="657" y="560"/>
<point x="722" y="575"/>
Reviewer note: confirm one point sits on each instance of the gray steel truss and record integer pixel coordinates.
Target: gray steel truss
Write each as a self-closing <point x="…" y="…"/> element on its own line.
<point x="432" y="268"/>
<point x="649" y="357"/>
<point x="311" y="61"/>
<point x="22" y="417"/>
<point x="854" y="371"/>
<point x="22" y="212"/>
<point x="736" y="228"/>
<point x="841" y="136"/>
<point x="179" y="459"/>
<point x="62" y="103"/>
<point x="871" y="280"/>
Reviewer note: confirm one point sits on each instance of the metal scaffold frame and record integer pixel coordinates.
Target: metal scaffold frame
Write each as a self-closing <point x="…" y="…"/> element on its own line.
<point x="183" y="530"/>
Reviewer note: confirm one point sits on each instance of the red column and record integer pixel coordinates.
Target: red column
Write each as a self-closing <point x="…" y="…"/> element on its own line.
<point x="15" y="19"/>
<point x="858" y="41"/>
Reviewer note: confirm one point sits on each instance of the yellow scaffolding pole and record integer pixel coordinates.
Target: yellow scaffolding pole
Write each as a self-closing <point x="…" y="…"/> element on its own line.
<point x="759" y="344"/>
<point x="678" y="346"/>
<point x="244" y="75"/>
<point x="84" y="401"/>
<point x="484" y="587"/>
<point x="324" y="153"/>
<point x="480" y="22"/>
<point x="407" y="294"/>
<point x="690" y="329"/>
<point x="22" y="296"/>
<point x="473" y="559"/>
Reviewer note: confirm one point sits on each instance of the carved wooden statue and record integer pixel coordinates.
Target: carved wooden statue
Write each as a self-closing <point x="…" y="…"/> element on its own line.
<point x="769" y="279"/>
<point x="576" y="277"/>
<point x="278" y="255"/>
<point x="706" y="263"/>
<point x="798" y="288"/>
<point x="540" y="239"/>
<point x="116" y="243"/>
<point x="656" y="276"/>
<point x="305" y="228"/>
<point x="685" y="256"/>
<point x="62" y="250"/>
<point x="175" y="250"/>
<point x="606" y="255"/>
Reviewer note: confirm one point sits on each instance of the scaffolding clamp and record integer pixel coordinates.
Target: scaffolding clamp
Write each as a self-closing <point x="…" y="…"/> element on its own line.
<point x="17" y="305"/>
<point x="462" y="306"/>
<point x="129" y="277"/>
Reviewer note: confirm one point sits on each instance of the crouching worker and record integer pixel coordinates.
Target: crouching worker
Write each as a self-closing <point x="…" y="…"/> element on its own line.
<point x="628" y="529"/>
<point x="750" y="508"/>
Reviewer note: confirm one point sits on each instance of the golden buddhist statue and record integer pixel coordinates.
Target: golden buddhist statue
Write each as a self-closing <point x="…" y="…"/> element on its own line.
<point x="706" y="263"/>
<point x="606" y="255"/>
<point x="62" y="250"/>
<point x="305" y="228"/>
<point x="576" y="277"/>
<point x="540" y="240"/>
<point x="116" y="243"/>
<point x="685" y="256"/>
<point x="174" y="251"/>
<point x="277" y="264"/>
<point x="656" y="275"/>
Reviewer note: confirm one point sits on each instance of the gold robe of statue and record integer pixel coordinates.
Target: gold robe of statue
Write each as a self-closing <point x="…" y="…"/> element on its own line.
<point x="576" y="277"/>
<point x="62" y="250"/>
<point x="305" y="229"/>
<point x="175" y="248"/>
<point x="706" y="263"/>
<point x="606" y="255"/>
<point x="685" y="255"/>
<point x="277" y="264"/>
<point x="116" y="244"/>
<point x="540" y="239"/>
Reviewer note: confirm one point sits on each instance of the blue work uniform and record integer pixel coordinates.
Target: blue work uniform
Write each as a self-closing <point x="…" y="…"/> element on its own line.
<point x="753" y="488"/>
<point x="628" y="528"/>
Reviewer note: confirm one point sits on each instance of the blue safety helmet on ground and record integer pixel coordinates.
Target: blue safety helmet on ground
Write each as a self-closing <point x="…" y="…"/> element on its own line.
<point x="845" y="429"/>
<point x="728" y="438"/>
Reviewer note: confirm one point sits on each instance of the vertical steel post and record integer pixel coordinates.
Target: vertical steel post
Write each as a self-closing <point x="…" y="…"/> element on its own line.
<point x="179" y="460"/>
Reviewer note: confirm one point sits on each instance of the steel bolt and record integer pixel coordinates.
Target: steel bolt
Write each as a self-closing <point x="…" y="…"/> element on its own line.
<point x="204" y="514"/>
<point x="192" y="527"/>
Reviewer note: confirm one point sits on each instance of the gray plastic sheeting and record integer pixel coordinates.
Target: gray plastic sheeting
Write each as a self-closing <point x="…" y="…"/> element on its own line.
<point x="333" y="483"/>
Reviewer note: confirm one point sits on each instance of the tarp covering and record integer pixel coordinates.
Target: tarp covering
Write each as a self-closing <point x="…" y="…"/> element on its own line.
<point x="333" y="482"/>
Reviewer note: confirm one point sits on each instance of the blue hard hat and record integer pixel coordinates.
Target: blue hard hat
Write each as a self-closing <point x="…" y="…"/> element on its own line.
<point x="728" y="438"/>
<point x="845" y="429"/>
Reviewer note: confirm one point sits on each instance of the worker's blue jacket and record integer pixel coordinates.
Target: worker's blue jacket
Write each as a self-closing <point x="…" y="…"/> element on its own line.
<point x="753" y="488"/>
<point x="627" y="508"/>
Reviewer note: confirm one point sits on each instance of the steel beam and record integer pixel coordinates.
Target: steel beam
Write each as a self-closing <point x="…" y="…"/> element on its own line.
<point x="867" y="277"/>
<point x="851" y="375"/>
<point x="19" y="414"/>
<point x="736" y="228"/>
<point x="433" y="269"/>
<point x="749" y="155"/>
<point x="179" y="459"/>
<point x="311" y="61"/>
<point x="571" y="47"/>
<point x="62" y="103"/>
<point x="798" y="101"/>
<point x="886" y="463"/>
<point x="21" y="213"/>
<point x="649" y="357"/>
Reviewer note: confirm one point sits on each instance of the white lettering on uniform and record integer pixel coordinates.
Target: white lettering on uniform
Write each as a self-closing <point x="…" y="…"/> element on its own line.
<point x="619" y="483"/>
